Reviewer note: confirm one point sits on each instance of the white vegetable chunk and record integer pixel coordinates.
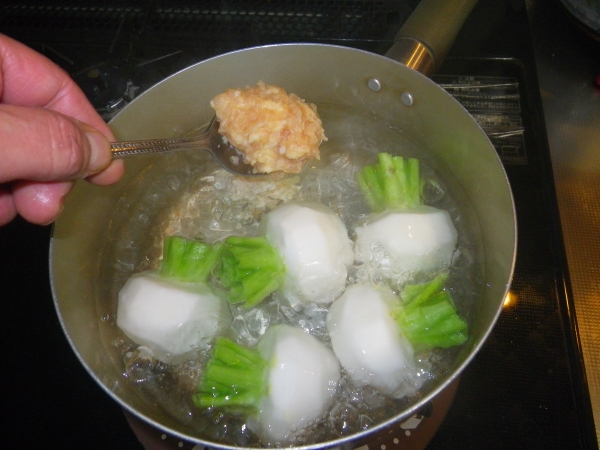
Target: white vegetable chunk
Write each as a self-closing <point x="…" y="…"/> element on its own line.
<point x="170" y="319"/>
<point x="401" y="244"/>
<point x="316" y="250"/>
<point x="303" y="378"/>
<point x="369" y="343"/>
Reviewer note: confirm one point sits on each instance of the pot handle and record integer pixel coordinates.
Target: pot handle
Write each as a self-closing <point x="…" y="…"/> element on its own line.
<point x="425" y="38"/>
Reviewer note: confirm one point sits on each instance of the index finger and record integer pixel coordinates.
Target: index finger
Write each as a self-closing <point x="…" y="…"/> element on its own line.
<point x="30" y="79"/>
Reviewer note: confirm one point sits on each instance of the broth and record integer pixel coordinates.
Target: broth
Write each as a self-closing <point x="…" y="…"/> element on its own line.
<point x="190" y="195"/>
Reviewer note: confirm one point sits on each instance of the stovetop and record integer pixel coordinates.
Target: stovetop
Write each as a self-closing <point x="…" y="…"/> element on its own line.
<point x="525" y="389"/>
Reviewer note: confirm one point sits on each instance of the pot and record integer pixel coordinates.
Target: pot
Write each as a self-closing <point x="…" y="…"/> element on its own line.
<point x="585" y="15"/>
<point x="100" y="225"/>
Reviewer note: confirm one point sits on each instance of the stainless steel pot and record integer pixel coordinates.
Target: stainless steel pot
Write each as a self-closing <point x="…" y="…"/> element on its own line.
<point x="356" y="81"/>
<point x="586" y="15"/>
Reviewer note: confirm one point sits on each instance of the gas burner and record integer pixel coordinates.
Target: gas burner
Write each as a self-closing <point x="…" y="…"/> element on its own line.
<point x="107" y="87"/>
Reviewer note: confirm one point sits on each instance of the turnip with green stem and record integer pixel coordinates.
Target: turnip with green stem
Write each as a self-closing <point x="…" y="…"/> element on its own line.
<point x="172" y="311"/>
<point x="403" y="237"/>
<point x="286" y="382"/>
<point x="304" y="253"/>
<point x="376" y="335"/>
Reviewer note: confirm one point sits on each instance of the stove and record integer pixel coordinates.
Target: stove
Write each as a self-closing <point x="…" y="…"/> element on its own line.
<point x="525" y="389"/>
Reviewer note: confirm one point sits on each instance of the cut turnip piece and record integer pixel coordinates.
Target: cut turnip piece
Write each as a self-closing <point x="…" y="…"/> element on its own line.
<point x="169" y="319"/>
<point x="399" y="245"/>
<point x="369" y="342"/>
<point x="316" y="250"/>
<point x="286" y="382"/>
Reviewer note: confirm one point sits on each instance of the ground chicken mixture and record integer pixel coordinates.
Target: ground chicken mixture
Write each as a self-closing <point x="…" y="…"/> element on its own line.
<point x="275" y="131"/>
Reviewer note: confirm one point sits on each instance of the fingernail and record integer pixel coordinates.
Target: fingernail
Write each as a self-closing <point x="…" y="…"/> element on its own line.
<point x="99" y="150"/>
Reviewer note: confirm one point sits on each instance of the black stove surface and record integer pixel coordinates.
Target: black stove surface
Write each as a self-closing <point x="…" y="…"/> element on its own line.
<point x="526" y="388"/>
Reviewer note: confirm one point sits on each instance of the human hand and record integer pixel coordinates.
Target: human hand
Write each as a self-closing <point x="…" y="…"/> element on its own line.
<point x="50" y="135"/>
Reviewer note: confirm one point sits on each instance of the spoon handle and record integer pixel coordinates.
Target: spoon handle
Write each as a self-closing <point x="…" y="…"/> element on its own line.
<point x="156" y="146"/>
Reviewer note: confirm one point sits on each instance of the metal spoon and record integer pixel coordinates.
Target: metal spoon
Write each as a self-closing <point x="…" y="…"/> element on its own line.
<point x="224" y="152"/>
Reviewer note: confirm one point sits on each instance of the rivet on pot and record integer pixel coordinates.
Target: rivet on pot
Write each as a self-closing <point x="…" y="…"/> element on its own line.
<point x="406" y="98"/>
<point x="374" y="84"/>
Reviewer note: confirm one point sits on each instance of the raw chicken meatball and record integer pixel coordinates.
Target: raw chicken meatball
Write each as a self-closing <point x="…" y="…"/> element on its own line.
<point x="275" y="131"/>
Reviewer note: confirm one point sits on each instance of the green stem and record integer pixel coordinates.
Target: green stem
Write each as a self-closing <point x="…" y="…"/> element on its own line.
<point x="251" y="269"/>
<point x="189" y="260"/>
<point x="428" y="317"/>
<point x="414" y="295"/>
<point x="414" y="183"/>
<point x="233" y="377"/>
<point x="393" y="183"/>
<point x="369" y="184"/>
<point x="234" y="355"/>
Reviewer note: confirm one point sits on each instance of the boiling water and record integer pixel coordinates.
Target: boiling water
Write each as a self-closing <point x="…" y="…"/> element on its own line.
<point x="188" y="194"/>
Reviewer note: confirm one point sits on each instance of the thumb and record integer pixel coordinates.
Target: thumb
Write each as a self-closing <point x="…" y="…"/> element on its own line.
<point x="41" y="145"/>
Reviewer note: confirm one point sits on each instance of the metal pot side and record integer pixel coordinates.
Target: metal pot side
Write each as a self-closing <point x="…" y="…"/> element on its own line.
<point x="318" y="73"/>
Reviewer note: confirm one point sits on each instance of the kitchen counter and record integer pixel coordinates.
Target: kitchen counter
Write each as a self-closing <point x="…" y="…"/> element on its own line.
<point x="568" y="62"/>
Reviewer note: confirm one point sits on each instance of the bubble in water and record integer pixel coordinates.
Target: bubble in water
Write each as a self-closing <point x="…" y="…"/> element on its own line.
<point x="289" y="314"/>
<point x="432" y="192"/>
<point x="249" y="325"/>
<point x="342" y="418"/>
<point x="241" y="332"/>
<point x="217" y="211"/>
<point x="372" y="398"/>
<point x="310" y="317"/>
<point x="257" y="322"/>
<point x="215" y="225"/>
<point x="139" y="365"/>
<point x="377" y="247"/>
<point x="366" y="422"/>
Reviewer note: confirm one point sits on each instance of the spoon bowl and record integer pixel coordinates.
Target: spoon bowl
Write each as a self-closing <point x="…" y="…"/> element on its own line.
<point x="224" y="152"/>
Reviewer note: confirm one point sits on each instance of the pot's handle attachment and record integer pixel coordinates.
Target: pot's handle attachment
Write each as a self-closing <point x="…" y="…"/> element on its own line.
<point x="425" y="38"/>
